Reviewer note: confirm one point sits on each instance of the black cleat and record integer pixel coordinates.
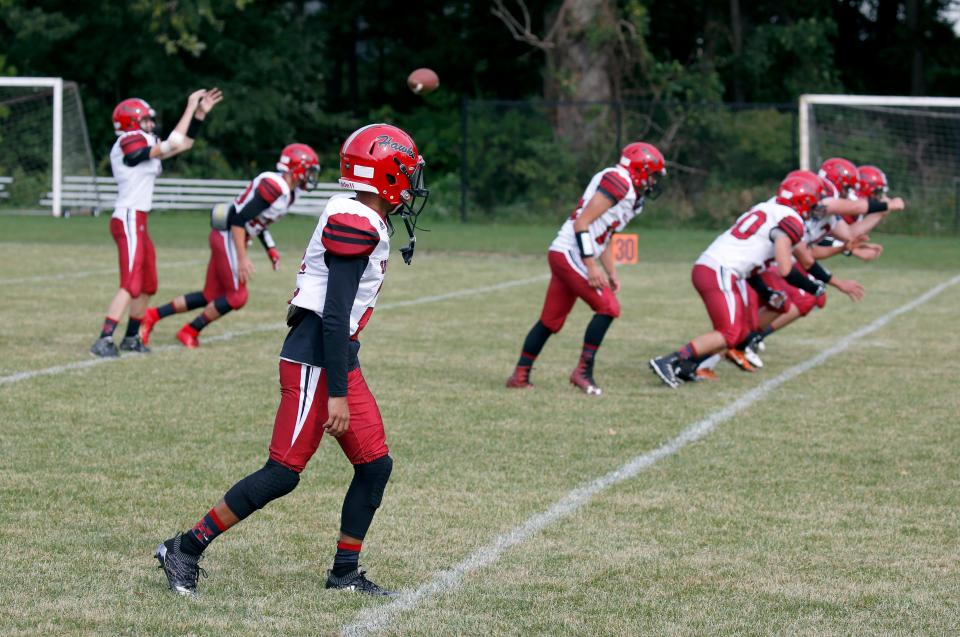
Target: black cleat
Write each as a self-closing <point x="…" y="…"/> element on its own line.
<point x="103" y="347"/>
<point x="133" y="344"/>
<point x="356" y="581"/>
<point x="182" y="570"/>
<point x="664" y="368"/>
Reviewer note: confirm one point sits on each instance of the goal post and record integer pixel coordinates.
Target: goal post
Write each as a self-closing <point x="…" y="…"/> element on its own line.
<point x="914" y="140"/>
<point x="43" y="136"/>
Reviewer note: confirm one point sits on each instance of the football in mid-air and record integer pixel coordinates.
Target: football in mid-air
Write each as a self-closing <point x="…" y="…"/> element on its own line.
<point x="423" y="81"/>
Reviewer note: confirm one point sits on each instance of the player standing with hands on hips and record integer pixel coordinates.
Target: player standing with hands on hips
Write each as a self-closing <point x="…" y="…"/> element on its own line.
<point x="582" y="267"/>
<point x="322" y="388"/>
<point x="135" y="160"/>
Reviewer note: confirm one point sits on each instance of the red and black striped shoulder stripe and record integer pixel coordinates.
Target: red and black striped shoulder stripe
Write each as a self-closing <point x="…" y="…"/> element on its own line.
<point x="132" y="143"/>
<point x="349" y="236"/>
<point x="269" y="190"/>
<point x="793" y="228"/>
<point x="614" y="186"/>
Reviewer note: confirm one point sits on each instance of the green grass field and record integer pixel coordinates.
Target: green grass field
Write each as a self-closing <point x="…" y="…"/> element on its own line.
<point x="829" y="507"/>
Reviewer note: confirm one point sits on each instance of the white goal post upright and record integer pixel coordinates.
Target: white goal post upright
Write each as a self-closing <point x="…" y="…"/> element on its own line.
<point x="915" y="140"/>
<point x="55" y="83"/>
<point x="43" y="143"/>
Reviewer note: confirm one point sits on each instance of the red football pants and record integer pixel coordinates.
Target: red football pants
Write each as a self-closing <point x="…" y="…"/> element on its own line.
<point x="726" y="300"/>
<point x="222" y="278"/>
<point x="566" y="286"/>
<point x="298" y="427"/>
<point x="136" y="255"/>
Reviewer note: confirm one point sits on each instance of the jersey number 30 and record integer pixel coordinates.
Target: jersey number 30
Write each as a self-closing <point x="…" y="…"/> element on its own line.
<point x="749" y="224"/>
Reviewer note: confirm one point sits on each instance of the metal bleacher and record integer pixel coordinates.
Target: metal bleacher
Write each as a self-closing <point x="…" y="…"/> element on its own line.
<point x="100" y="194"/>
<point x="5" y="187"/>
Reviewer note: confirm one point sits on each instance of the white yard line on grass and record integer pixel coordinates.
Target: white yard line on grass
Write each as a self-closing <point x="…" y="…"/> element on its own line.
<point x="379" y="617"/>
<point x="272" y="327"/>
<point x="79" y="275"/>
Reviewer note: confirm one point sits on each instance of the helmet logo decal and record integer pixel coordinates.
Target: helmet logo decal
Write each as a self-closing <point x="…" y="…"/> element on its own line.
<point x="363" y="171"/>
<point x="385" y="141"/>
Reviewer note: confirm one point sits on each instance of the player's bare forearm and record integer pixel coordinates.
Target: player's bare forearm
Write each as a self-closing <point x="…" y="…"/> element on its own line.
<point x="608" y="262"/>
<point x="838" y="206"/>
<point x="597" y="205"/>
<point x="803" y="253"/>
<point x="868" y="223"/>
<point x="825" y="252"/>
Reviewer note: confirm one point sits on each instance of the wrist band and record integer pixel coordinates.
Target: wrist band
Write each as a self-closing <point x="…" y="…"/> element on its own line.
<point x="585" y="243"/>
<point x="819" y="272"/>
<point x="876" y="206"/>
<point x="194" y="128"/>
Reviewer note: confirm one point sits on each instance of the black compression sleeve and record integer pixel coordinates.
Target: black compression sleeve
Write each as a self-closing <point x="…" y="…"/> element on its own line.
<point x="876" y="206"/>
<point x="137" y="156"/>
<point x="266" y="239"/>
<point x="342" y="284"/>
<point x="819" y="272"/>
<point x="254" y="207"/>
<point x="194" y="128"/>
<point x="797" y="280"/>
<point x="763" y="291"/>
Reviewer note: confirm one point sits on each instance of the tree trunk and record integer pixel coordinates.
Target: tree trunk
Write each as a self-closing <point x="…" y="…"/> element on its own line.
<point x="581" y="66"/>
<point x="736" y="29"/>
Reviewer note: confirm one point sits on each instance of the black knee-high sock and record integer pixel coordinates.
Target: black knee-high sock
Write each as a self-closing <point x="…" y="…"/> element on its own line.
<point x="193" y="301"/>
<point x="533" y="344"/>
<point x="596" y="330"/>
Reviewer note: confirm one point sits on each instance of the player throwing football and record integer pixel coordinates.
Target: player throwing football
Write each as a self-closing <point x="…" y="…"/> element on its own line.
<point x="582" y="267"/>
<point x="322" y="388"/>
<point x="135" y="160"/>
<point x="264" y="200"/>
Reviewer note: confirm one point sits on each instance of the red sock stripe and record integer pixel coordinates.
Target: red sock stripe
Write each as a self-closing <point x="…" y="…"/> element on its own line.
<point x="347" y="546"/>
<point x="216" y="520"/>
<point x="530" y="356"/>
<point x="590" y="348"/>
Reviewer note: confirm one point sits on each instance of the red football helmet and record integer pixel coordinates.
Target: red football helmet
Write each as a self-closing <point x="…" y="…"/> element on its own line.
<point x="300" y="161"/>
<point x="800" y="192"/>
<point x="841" y="173"/>
<point x="827" y="189"/>
<point x="129" y="113"/>
<point x="383" y="159"/>
<point x="872" y="182"/>
<point x="645" y="163"/>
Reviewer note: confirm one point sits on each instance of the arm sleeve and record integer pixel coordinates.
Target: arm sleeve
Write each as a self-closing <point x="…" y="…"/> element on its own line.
<point x="342" y="284"/>
<point x="254" y="207"/>
<point x="135" y="149"/>
<point x="797" y="280"/>
<point x="266" y="239"/>
<point x="613" y="186"/>
<point x="762" y="289"/>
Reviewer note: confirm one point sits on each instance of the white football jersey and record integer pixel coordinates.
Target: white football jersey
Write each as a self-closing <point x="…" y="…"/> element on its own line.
<point x="747" y="245"/>
<point x="346" y="228"/>
<point x="273" y="188"/>
<point x="615" y="182"/>
<point x="134" y="183"/>
<point x="818" y="228"/>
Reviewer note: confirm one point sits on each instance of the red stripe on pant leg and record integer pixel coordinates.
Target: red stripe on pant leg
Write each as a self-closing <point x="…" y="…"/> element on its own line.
<point x="216" y="520"/>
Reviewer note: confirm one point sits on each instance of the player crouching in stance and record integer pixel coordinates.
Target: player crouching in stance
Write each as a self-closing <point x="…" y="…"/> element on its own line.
<point x="135" y="160"/>
<point x="768" y="231"/>
<point x="321" y="386"/>
<point x="267" y="198"/>
<point x="613" y="197"/>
